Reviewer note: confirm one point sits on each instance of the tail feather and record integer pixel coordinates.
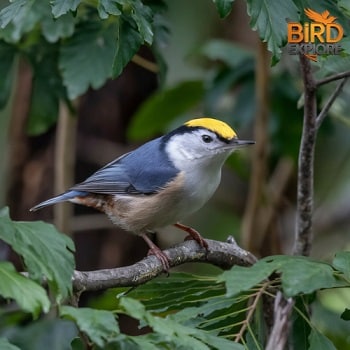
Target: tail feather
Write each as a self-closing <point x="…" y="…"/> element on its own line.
<point x="66" y="196"/>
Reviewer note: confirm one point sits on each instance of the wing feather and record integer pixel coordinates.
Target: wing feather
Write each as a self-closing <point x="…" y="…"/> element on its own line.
<point x="143" y="171"/>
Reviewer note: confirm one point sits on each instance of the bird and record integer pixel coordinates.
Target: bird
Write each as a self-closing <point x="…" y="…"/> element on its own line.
<point x="161" y="182"/>
<point x="323" y="17"/>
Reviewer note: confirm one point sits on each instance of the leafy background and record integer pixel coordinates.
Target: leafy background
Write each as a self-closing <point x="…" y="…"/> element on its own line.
<point x="91" y="80"/>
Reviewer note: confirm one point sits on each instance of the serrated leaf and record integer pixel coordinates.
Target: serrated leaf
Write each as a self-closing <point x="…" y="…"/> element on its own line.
<point x="7" y="54"/>
<point x="46" y="252"/>
<point x="61" y="7"/>
<point x="128" y="43"/>
<point x="29" y="295"/>
<point x="269" y="18"/>
<point x="188" y="337"/>
<point x="92" y="45"/>
<point x="177" y="292"/>
<point x="240" y="279"/>
<point x="342" y="263"/>
<point x="13" y="10"/>
<point x="54" y="29"/>
<point x="99" y="325"/>
<point x="300" y="275"/>
<point x="319" y="342"/>
<point x="23" y="15"/>
<point x="142" y="15"/>
<point x="108" y="7"/>
<point x="6" y="345"/>
<point x="164" y="106"/>
<point x="191" y="300"/>
<point x="224" y="7"/>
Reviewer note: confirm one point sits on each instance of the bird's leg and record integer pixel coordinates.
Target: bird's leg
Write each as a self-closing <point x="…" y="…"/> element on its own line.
<point x="154" y="250"/>
<point x="193" y="234"/>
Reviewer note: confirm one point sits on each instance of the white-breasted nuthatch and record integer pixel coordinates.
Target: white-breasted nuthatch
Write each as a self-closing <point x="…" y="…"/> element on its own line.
<point x="161" y="182"/>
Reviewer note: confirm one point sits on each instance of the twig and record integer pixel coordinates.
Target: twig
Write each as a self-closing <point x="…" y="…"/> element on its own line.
<point x="221" y="254"/>
<point x="322" y="115"/>
<point x="280" y="329"/>
<point x="332" y="78"/>
<point x="252" y="309"/>
<point x="305" y="191"/>
<point x="144" y="63"/>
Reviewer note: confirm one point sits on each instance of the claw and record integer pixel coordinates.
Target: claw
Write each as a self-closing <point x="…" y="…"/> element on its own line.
<point x="154" y="250"/>
<point x="193" y="234"/>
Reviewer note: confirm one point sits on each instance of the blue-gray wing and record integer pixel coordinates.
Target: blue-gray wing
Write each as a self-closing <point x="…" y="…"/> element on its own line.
<point x="143" y="171"/>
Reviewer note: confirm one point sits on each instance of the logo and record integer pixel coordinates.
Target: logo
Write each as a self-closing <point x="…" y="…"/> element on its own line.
<point x="321" y="36"/>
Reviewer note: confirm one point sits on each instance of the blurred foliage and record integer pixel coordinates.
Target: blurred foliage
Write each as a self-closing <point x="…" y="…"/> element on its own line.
<point x="73" y="45"/>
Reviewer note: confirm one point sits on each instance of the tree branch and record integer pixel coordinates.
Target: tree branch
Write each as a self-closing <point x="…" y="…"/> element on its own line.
<point x="303" y="229"/>
<point x="280" y="329"/>
<point x="221" y="254"/>
<point x="333" y="77"/>
<point x="329" y="103"/>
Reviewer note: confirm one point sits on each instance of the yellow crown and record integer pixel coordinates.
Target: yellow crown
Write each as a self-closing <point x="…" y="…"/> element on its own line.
<point x="214" y="125"/>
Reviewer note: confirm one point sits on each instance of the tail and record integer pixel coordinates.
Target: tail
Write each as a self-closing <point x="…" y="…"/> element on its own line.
<point x="66" y="196"/>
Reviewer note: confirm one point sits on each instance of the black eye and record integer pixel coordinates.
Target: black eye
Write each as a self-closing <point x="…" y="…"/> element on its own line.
<point x="207" y="138"/>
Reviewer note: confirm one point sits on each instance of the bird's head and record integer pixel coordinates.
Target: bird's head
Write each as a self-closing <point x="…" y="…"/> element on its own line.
<point x="203" y="139"/>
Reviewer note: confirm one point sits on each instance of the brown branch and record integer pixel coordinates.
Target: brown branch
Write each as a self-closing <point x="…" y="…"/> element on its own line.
<point x="331" y="78"/>
<point x="305" y="191"/>
<point x="221" y="254"/>
<point x="281" y="323"/>
<point x="322" y="115"/>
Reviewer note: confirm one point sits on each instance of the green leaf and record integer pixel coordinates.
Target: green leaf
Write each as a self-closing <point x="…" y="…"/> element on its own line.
<point x="194" y="301"/>
<point x="142" y="15"/>
<point x="224" y="7"/>
<point x="6" y="345"/>
<point x="188" y="337"/>
<point x="46" y="93"/>
<point x="7" y="54"/>
<point x="301" y="275"/>
<point x="99" y="325"/>
<point x="269" y="18"/>
<point x="108" y="7"/>
<point x="342" y="263"/>
<point x="55" y="29"/>
<point x="319" y="342"/>
<point x="30" y="296"/>
<point x="61" y="7"/>
<point x="128" y="43"/>
<point x="164" y="106"/>
<point x="46" y="252"/>
<point x="54" y="333"/>
<point x="92" y="45"/>
<point x="226" y="51"/>
<point x="23" y="15"/>
<point x="13" y="11"/>
<point x="240" y="279"/>
<point x="298" y="275"/>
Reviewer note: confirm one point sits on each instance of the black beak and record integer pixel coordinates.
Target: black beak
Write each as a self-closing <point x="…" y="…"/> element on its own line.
<point x="236" y="143"/>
